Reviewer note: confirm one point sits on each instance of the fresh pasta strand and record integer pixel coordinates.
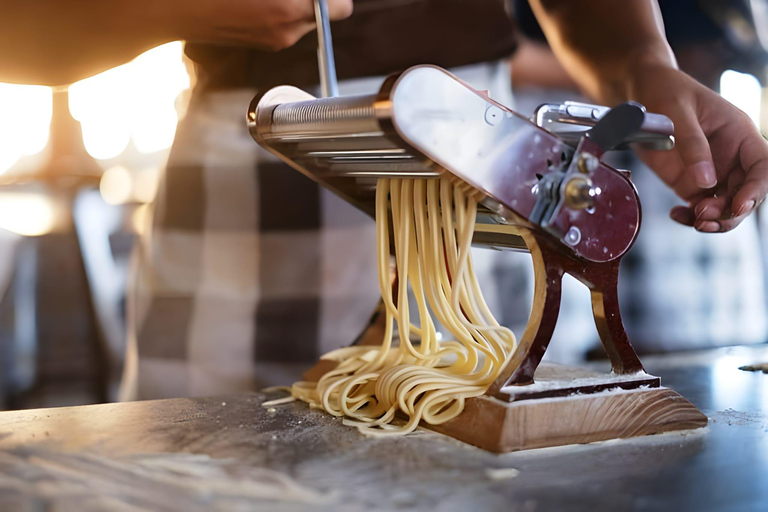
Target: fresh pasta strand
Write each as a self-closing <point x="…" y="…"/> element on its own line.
<point x="433" y="223"/>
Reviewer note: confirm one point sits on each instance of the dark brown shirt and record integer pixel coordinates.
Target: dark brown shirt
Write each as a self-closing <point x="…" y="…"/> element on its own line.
<point x="382" y="36"/>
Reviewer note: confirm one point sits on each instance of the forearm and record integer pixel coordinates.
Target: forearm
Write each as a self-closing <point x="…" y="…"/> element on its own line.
<point x="601" y="43"/>
<point x="56" y="42"/>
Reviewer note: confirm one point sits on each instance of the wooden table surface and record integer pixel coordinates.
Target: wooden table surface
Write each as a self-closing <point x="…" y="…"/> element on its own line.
<point x="232" y="454"/>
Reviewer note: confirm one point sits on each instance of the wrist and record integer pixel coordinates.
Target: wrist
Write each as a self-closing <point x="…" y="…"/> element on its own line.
<point x="639" y="64"/>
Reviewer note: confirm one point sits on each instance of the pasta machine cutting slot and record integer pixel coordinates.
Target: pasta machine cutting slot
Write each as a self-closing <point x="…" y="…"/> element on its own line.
<point x="549" y="194"/>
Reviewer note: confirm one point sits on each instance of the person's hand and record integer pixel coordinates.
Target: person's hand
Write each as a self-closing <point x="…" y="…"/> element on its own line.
<point x="720" y="162"/>
<point x="264" y="24"/>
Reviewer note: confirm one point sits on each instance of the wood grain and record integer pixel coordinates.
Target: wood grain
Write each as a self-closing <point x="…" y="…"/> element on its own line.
<point x="721" y="469"/>
<point x="498" y="426"/>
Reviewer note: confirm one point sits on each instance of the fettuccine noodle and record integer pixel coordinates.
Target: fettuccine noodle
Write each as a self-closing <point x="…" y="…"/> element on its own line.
<point x="421" y="378"/>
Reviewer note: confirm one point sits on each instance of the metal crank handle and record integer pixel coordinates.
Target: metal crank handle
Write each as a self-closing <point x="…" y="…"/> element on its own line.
<point x="325" y="61"/>
<point x="571" y="119"/>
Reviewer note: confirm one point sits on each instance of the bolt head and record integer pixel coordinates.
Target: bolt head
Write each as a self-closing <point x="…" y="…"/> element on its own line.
<point x="573" y="236"/>
<point x="588" y="163"/>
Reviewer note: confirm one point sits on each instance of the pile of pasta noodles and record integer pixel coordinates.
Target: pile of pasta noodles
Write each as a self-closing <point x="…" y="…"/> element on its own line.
<point x="420" y="378"/>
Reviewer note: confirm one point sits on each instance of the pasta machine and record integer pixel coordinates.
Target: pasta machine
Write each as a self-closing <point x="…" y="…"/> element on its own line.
<point x="425" y="123"/>
<point x="532" y="182"/>
<point x="541" y="185"/>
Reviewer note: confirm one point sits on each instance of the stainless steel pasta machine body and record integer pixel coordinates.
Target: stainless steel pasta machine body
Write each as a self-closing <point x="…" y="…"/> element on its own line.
<point x="543" y="189"/>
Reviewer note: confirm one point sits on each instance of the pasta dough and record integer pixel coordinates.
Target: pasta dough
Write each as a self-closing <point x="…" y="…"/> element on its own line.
<point x="421" y="378"/>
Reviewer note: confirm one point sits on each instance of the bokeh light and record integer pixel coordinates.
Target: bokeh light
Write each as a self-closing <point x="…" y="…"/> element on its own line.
<point x="116" y="185"/>
<point x="744" y="91"/>
<point x="140" y="219"/>
<point x="25" y="121"/>
<point x="135" y="101"/>
<point x="26" y="213"/>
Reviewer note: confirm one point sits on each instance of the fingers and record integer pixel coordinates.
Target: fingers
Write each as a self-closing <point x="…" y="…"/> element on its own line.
<point x="745" y="187"/>
<point x="286" y="35"/>
<point x="270" y="25"/>
<point x="713" y="214"/>
<point x="337" y="9"/>
<point x="735" y="180"/>
<point x="744" y="174"/>
<point x="340" y="9"/>
<point x="299" y="20"/>
<point x="683" y="215"/>
<point x="693" y="148"/>
<point x="292" y="11"/>
<point x="720" y="163"/>
<point x="718" y="226"/>
<point x="712" y="207"/>
<point x="705" y="214"/>
<point x="754" y="159"/>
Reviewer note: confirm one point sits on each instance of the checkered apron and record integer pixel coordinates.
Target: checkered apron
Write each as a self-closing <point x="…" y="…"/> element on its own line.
<point x="251" y="271"/>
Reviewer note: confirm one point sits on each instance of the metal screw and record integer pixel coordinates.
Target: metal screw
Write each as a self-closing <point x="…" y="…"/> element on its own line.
<point x="573" y="236"/>
<point x="579" y="194"/>
<point x="493" y="115"/>
<point x="587" y="163"/>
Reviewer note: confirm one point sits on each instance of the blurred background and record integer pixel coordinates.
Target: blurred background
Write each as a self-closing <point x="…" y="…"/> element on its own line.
<point x="79" y="169"/>
<point x="78" y="173"/>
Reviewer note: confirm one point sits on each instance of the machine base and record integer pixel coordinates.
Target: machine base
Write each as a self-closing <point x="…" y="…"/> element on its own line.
<point x="571" y="406"/>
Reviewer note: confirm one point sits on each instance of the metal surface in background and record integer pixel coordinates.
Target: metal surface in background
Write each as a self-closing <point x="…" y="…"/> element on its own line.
<point x="721" y="468"/>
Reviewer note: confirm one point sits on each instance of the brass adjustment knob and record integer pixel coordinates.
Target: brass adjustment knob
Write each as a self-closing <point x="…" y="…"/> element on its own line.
<point x="587" y="163"/>
<point x="579" y="193"/>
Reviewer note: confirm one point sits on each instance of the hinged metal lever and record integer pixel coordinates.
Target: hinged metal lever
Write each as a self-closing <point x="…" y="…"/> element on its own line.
<point x="572" y="187"/>
<point x="614" y="128"/>
<point x="570" y="121"/>
<point x="617" y="125"/>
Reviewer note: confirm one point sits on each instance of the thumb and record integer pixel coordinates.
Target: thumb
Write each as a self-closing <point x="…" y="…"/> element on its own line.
<point x="339" y="9"/>
<point x="753" y="155"/>
<point x="693" y="148"/>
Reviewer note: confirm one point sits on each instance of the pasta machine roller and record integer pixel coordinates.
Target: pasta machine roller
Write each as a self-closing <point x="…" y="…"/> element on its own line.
<point x="424" y="123"/>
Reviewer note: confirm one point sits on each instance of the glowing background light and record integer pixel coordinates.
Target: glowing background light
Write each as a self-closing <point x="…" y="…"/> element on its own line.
<point x="743" y="90"/>
<point x="26" y="213"/>
<point x="144" y="186"/>
<point x="25" y="121"/>
<point x="760" y="18"/>
<point x="135" y="101"/>
<point x="116" y="185"/>
<point x="139" y="218"/>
